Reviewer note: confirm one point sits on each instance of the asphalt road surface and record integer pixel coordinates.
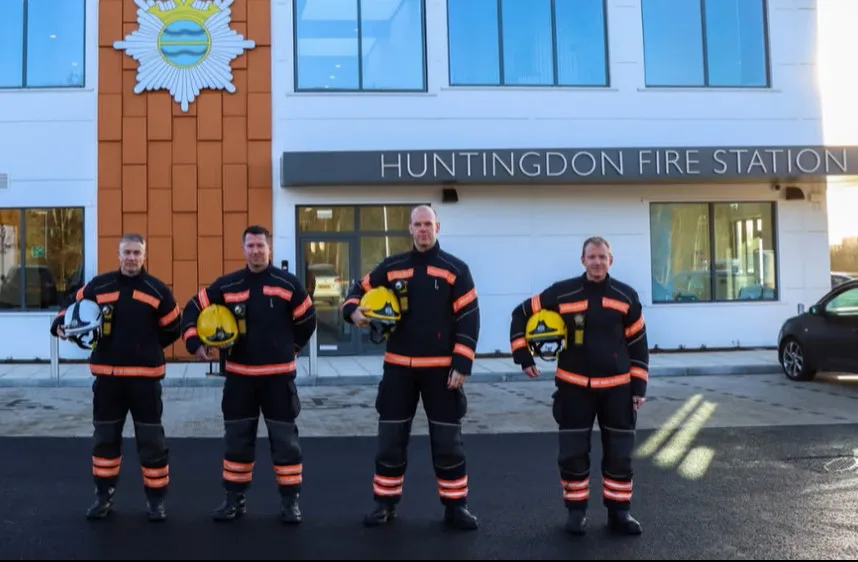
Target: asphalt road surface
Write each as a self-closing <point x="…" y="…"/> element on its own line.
<point x="717" y="493"/>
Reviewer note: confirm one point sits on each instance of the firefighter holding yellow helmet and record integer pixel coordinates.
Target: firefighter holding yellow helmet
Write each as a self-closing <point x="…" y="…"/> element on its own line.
<point x="260" y="316"/>
<point x="424" y="305"/>
<point x="593" y="327"/>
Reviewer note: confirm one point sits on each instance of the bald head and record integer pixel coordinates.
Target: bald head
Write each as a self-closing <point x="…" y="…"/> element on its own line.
<point x="424" y="226"/>
<point x="421" y="209"/>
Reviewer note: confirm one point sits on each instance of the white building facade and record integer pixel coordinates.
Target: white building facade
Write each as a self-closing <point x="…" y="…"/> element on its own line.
<point x="689" y="134"/>
<point x="48" y="166"/>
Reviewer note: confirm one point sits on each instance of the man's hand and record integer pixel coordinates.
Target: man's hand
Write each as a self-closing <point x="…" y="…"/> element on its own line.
<point x="358" y="319"/>
<point x="637" y="402"/>
<point x="532" y="371"/>
<point x="61" y="333"/>
<point x="206" y="353"/>
<point x="455" y="380"/>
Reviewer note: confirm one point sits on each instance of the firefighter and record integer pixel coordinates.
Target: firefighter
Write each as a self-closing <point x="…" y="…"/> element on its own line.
<point x="275" y="318"/>
<point x="139" y="318"/>
<point x="429" y="354"/>
<point x="602" y="371"/>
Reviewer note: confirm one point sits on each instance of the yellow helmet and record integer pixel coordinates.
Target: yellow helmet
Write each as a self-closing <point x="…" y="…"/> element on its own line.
<point x="546" y="335"/>
<point x="216" y="326"/>
<point x="383" y="313"/>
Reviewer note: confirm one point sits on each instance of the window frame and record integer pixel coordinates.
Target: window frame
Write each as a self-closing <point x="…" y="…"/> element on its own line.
<point x="360" y="89"/>
<point x="710" y="210"/>
<point x="25" y="22"/>
<point x="555" y="84"/>
<point x="705" y="52"/>
<point x="22" y="247"/>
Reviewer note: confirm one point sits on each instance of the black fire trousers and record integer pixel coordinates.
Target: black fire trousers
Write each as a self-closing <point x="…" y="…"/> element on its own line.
<point x="112" y="398"/>
<point x="276" y="396"/>
<point x="575" y="408"/>
<point x="399" y="391"/>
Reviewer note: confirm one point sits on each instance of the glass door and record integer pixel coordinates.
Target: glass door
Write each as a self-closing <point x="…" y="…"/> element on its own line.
<point x="327" y="272"/>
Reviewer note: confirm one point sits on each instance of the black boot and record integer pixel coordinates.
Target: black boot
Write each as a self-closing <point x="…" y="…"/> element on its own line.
<point x="103" y="505"/>
<point x="233" y="506"/>
<point x="290" y="512"/>
<point x="622" y="521"/>
<point x="383" y="513"/>
<point x="156" y="508"/>
<point x="458" y="516"/>
<point x="576" y="521"/>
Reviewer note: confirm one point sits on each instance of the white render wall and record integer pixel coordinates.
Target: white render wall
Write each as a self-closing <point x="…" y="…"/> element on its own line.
<point x="544" y="226"/>
<point x="49" y="146"/>
<point x="625" y="114"/>
<point x="519" y="239"/>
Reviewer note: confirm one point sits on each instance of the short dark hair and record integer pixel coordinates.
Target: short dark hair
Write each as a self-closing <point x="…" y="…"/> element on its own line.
<point x="596" y="241"/>
<point x="256" y="229"/>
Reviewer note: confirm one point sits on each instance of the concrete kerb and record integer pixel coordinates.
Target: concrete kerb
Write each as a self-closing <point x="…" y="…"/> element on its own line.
<point x="363" y="380"/>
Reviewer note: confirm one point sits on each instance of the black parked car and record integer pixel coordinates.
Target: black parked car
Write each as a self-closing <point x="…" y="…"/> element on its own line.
<point x="824" y="337"/>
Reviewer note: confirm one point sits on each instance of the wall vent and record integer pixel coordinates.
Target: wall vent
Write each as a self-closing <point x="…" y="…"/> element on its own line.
<point x="4" y="180"/>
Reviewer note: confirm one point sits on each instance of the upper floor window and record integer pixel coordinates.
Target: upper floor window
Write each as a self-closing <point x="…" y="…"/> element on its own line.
<point x="43" y="44"/>
<point x="527" y="42"/>
<point x="353" y="45"/>
<point x="705" y="43"/>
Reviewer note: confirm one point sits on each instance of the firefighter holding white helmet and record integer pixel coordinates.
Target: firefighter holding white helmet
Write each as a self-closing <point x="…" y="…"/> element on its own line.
<point x="126" y="318"/>
<point x="593" y="327"/>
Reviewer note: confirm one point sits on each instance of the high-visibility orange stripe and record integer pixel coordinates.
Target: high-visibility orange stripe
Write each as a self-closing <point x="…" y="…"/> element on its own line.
<point x="148" y="299"/>
<point x="125" y="371"/>
<point x="465" y="300"/>
<point x="427" y="362"/>
<point x="269" y="369"/>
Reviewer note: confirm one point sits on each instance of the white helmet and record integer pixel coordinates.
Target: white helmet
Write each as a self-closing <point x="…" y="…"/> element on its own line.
<point x="82" y="323"/>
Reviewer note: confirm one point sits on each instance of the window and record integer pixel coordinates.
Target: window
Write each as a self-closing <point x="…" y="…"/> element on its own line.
<point x="42" y="42"/>
<point x="527" y="42"/>
<point x="359" y="45"/>
<point x="41" y="257"/>
<point x="844" y="304"/>
<point x="705" y="43"/>
<point x="713" y="252"/>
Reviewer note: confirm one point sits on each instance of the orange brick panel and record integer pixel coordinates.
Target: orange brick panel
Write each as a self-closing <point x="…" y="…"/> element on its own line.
<point x="159" y="255"/>
<point x="235" y="104"/>
<point x="235" y="187"/>
<point x="110" y="212"/>
<point x="209" y="168"/>
<point x="160" y="165"/>
<point x="134" y="190"/>
<point x="160" y="213"/>
<point x="210" y="214"/>
<point x="210" y="261"/>
<point x="192" y="181"/>
<point x="108" y="252"/>
<point x="135" y="222"/>
<point x="109" y="165"/>
<point x="233" y="227"/>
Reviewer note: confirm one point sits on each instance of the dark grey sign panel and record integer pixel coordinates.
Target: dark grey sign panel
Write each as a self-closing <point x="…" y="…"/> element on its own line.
<point x="493" y="166"/>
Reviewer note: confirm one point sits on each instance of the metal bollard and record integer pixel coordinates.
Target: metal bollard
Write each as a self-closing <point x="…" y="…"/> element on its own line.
<point x="314" y="355"/>
<point x="55" y="359"/>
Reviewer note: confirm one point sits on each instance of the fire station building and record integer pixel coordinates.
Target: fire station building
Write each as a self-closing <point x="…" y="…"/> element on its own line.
<point x="705" y="157"/>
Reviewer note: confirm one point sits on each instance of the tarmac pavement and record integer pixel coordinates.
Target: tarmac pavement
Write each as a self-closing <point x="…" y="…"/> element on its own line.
<point x="727" y="467"/>
<point x="764" y="494"/>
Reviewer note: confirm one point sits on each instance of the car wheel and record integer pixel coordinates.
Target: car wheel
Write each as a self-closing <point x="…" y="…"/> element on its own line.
<point x="794" y="362"/>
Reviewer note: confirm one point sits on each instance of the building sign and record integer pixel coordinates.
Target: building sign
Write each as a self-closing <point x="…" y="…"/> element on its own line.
<point x="184" y="46"/>
<point x="565" y="165"/>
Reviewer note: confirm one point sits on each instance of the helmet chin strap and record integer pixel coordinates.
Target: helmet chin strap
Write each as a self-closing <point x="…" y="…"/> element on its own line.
<point x="377" y="333"/>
